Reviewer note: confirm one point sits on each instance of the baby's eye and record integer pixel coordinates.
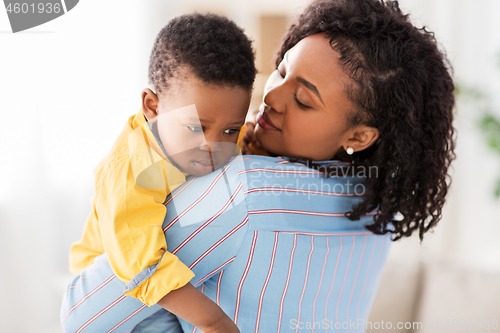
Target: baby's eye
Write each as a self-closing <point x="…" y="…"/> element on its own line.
<point x="195" y="129"/>
<point x="231" y="131"/>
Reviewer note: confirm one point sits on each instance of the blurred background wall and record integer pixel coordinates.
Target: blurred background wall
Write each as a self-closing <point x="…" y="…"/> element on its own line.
<point x="68" y="86"/>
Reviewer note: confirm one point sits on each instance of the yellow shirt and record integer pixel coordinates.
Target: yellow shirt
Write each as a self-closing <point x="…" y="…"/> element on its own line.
<point x="131" y="185"/>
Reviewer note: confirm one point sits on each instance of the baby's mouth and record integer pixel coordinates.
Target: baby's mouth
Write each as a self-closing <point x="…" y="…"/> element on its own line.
<point x="205" y="162"/>
<point x="205" y="166"/>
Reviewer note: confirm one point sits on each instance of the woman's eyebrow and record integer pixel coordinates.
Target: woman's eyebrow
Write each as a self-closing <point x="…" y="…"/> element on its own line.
<point x="310" y="86"/>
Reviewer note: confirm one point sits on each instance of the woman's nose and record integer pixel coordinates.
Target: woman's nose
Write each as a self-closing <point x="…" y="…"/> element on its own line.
<point x="275" y="99"/>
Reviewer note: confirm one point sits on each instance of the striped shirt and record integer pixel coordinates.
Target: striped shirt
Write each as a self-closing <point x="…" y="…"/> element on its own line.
<point x="268" y="241"/>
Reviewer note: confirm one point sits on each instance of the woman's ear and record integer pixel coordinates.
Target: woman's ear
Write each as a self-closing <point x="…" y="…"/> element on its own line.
<point x="150" y="104"/>
<point x="362" y="137"/>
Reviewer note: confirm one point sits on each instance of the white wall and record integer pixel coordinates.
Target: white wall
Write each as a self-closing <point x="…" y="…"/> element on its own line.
<point x="468" y="30"/>
<point x="66" y="90"/>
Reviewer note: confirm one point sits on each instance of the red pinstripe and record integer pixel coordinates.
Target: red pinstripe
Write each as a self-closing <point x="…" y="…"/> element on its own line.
<point x="130" y="316"/>
<point x="217" y="295"/>
<point x="305" y="283"/>
<point x="197" y="200"/>
<point x="84" y="277"/>
<point x="325" y="234"/>
<point x="366" y="276"/>
<point x="280" y="317"/>
<point x="333" y="281"/>
<point x="210" y="220"/>
<point x="261" y="299"/>
<point x="320" y="281"/>
<point x="118" y="300"/>
<point x="89" y="294"/>
<point x="178" y="192"/>
<point x="215" y="270"/>
<point x="127" y="331"/>
<point x="293" y="172"/>
<point x="300" y="212"/>
<point x="330" y="164"/>
<point x="281" y="189"/>
<point x="245" y="273"/>
<point x="211" y="248"/>
<point x="355" y="280"/>
<point x="345" y="275"/>
<point x="288" y="162"/>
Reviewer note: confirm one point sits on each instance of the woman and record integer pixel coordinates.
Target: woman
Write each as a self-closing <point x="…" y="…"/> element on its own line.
<point x="361" y="104"/>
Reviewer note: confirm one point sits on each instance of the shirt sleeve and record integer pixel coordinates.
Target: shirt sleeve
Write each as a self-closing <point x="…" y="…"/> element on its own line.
<point x="83" y="252"/>
<point x="130" y="218"/>
<point x="206" y="222"/>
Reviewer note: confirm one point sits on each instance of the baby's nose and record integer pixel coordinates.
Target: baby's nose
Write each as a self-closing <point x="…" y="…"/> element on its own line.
<point x="211" y="146"/>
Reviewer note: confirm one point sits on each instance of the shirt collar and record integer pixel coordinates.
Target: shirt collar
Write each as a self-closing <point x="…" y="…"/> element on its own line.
<point x="154" y="144"/>
<point x="325" y="162"/>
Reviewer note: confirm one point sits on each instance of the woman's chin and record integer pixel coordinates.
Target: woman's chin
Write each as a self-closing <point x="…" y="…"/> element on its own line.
<point x="272" y="151"/>
<point x="267" y="143"/>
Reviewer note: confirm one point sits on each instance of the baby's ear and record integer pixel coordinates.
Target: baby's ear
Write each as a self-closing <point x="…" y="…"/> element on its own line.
<point x="150" y="104"/>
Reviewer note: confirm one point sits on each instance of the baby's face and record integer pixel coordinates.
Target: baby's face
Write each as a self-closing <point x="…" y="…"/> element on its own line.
<point x="199" y="124"/>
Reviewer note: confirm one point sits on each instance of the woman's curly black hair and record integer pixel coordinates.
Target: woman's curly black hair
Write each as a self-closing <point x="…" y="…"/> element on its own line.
<point x="403" y="87"/>
<point x="214" y="48"/>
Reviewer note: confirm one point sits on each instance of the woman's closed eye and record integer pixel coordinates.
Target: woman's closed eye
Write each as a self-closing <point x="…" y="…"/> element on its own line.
<point x="300" y="104"/>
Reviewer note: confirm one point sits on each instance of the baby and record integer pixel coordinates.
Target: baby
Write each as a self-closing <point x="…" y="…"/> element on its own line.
<point x="202" y="69"/>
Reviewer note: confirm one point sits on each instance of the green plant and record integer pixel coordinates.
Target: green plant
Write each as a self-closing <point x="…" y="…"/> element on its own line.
<point x="490" y="125"/>
<point x="488" y="122"/>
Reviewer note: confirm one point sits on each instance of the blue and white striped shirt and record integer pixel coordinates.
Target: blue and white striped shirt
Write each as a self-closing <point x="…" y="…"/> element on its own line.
<point x="269" y="242"/>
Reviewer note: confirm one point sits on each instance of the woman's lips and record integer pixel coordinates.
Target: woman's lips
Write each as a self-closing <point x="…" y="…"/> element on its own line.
<point x="264" y="122"/>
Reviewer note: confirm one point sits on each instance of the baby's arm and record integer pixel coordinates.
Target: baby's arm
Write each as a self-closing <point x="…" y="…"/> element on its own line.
<point x="191" y="305"/>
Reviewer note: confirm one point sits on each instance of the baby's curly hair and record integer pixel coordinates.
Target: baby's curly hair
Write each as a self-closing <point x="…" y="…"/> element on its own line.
<point x="403" y="87"/>
<point x="213" y="47"/>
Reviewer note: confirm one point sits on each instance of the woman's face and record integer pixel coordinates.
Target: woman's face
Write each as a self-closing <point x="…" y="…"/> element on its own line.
<point x="305" y="107"/>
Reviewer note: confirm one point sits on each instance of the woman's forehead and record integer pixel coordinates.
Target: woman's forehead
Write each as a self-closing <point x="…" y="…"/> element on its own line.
<point x="316" y="52"/>
<point x="313" y="59"/>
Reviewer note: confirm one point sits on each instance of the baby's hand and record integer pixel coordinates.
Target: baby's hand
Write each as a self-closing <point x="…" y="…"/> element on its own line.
<point x="249" y="137"/>
<point x="196" y="308"/>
